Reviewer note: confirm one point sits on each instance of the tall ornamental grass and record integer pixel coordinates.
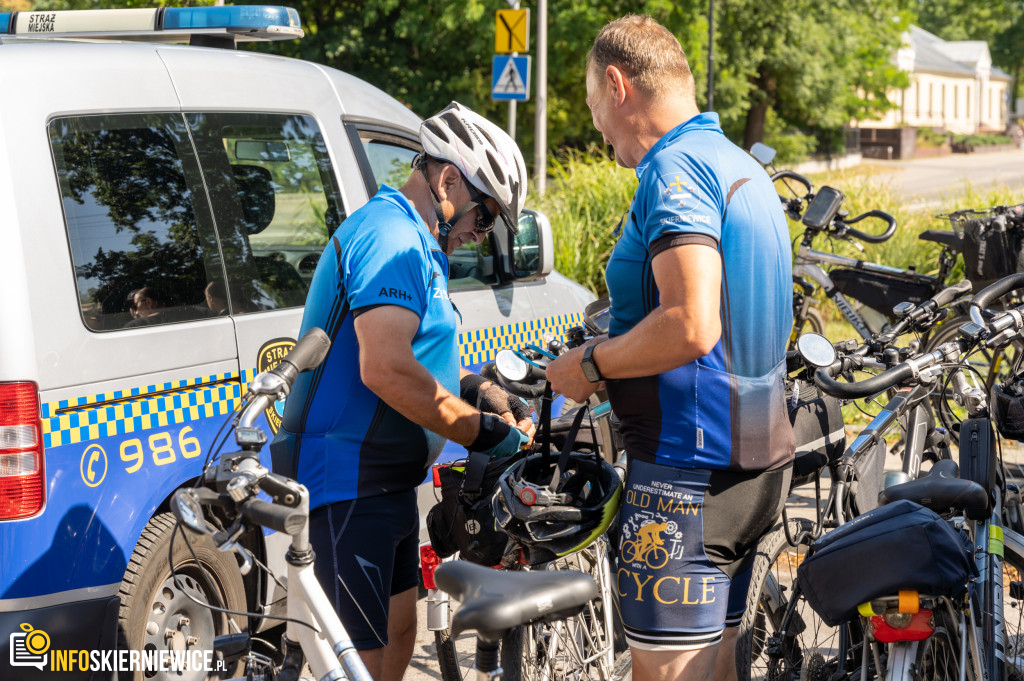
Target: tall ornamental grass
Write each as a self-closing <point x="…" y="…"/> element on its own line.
<point x="587" y="196"/>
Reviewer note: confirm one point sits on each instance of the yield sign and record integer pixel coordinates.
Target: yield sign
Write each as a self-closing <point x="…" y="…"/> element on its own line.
<point x="510" y="78"/>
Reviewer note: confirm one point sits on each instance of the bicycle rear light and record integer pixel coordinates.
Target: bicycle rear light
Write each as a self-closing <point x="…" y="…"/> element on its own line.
<point x="893" y="626"/>
<point x="22" y="465"/>
<point x="429" y="560"/>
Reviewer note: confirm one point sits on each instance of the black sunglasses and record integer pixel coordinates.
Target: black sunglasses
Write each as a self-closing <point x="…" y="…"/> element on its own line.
<point x="484" y="219"/>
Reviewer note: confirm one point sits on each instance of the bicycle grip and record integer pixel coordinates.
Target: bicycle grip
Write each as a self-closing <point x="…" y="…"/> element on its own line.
<point x="870" y="386"/>
<point x="982" y="299"/>
<point x="873" y="238"/>
<point x="309" y="351"/>
<point x="951" y="293"/>
<point x="279" y="518"/>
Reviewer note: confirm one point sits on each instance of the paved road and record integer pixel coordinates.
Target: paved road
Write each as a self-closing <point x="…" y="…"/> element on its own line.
<point x="924" y="181"/>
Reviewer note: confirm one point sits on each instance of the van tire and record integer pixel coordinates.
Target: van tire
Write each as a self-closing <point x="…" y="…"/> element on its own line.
<point x="155" y="611"/>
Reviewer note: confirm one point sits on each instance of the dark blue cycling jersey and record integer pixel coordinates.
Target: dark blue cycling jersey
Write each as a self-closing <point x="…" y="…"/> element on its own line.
<point x="342" y="441"/>
<point x="727" y="409"/>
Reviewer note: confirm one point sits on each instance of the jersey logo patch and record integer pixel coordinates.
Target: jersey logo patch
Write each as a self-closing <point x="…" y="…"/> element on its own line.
<point x="679" y="192"/>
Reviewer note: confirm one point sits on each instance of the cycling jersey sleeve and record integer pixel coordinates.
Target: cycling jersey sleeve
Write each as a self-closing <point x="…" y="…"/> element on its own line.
<point x="682" y="204"/>
<point x="387" y="271"/>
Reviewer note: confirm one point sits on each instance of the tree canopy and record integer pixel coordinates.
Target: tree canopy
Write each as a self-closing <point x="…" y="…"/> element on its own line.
<point x="781" y="66"/>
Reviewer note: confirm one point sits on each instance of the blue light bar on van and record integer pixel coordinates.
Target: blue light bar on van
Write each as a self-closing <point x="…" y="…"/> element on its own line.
<point x="173" y="24"/>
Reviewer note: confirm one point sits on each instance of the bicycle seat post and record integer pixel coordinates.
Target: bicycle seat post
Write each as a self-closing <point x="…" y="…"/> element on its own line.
<point x="486" y="666"/>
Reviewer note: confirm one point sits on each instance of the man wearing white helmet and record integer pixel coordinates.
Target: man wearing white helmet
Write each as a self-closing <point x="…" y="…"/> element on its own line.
<point x="362" y="430"/>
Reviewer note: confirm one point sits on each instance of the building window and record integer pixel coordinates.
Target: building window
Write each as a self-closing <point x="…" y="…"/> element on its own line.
<point x="942" y="104"/>
<point x="931" y="99"/>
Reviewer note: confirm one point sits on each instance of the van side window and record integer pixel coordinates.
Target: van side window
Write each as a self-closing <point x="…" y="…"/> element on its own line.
<point x="139" y="231"/>
<point x="275" y="202"/>
<point x="390" y="157"/>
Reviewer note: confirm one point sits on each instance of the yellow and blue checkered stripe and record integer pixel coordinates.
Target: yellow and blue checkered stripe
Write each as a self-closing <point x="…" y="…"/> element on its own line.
<point x="156" y="406"/>
<point x="477" y="347"/>
<point x="138" y="409"/>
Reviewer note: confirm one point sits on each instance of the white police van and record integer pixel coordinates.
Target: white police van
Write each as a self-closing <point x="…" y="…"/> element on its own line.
<point x="162" y="209"/>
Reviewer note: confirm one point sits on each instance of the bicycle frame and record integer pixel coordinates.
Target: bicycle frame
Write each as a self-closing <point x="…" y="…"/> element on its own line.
<point x="808" y="264"/>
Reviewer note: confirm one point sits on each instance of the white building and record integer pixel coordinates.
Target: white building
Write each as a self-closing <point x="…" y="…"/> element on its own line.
<point x="953" y="87"/>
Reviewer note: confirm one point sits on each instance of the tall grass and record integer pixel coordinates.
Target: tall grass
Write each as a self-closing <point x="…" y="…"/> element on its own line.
<point x="588" y="195"/>
<point x="585" y="200"/>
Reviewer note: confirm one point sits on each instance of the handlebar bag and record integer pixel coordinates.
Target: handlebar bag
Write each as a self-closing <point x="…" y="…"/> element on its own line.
<point x="882" y="292"/>
<point x="901" y="545"/>
<point x="463" y="520"/>
<point x="818" y="428"/>
<point x="990" y="255"/>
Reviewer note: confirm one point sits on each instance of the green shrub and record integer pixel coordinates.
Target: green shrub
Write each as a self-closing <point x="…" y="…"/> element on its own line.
<point x="982" y="140"/>
<point x="587" y="196"/>
<point x="928" y="138"/>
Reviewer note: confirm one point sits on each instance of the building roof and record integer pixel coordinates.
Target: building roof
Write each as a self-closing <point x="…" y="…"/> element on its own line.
<point x="930" y="53"/>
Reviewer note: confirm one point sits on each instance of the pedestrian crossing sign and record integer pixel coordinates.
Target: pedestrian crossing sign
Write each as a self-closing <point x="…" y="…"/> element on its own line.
<point x="510" y="78"/>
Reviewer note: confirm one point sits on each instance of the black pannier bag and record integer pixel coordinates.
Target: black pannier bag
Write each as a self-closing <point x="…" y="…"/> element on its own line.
<point x="901" y="545"/>
<point x="989" y="254"/>
<point x="463" y="521"/>
<point x="818" y="428"/>
<point x="882" y="292"/>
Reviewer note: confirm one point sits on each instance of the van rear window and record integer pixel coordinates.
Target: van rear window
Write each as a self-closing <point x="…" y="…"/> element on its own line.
<point x="174" y="218"/>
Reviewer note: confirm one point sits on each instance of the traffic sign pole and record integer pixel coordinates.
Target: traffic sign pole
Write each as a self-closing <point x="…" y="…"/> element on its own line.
<point x="512" y="103"/>
<point x="540" y="130"/>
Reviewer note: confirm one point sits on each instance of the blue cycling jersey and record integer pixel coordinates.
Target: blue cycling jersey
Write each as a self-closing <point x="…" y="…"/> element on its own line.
<point x="725" y="410"/>
<point x="337" y="437"/>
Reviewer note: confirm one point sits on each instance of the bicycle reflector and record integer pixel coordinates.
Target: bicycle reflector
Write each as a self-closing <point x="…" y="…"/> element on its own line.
<point x="893" y="625"/>
<point x="429" y="560"/>
<point x="22" y="469"/>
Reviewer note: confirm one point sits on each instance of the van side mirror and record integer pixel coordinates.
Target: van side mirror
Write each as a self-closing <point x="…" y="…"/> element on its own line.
<point x="533" y="252"/>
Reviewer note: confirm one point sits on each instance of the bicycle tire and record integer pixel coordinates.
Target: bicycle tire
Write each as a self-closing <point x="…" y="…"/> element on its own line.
<point x="1013" y="612"/>
<point x="945" y="409"/>
<point x="812" y="323"/>
<point x="780" y="636"/>
<point x="938" y="656"/>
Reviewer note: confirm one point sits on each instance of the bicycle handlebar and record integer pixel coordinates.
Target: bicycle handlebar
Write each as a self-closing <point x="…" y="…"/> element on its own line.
<point x="307" y="354"/>
<point x="872" y="238"/>
<point x="984" y="297"/>
<point x="823" y="378"/>
<point x="790" y="175"/>
<point x="273" y="516"/>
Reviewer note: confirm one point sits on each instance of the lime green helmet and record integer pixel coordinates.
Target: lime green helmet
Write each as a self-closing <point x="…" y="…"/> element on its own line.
<point x="553" y="520"/>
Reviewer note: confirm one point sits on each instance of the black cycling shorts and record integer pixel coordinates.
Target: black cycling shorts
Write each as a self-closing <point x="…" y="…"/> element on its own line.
<point x="686" y="550"/>
<point x="373" y="545"/>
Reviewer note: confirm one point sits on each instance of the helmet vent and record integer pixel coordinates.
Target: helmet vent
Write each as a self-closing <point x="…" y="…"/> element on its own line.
<point x="436" y="129"/>
<point x="495" y="167"/>
<point x="456" y="125"/>
<point x="490" y="140"/>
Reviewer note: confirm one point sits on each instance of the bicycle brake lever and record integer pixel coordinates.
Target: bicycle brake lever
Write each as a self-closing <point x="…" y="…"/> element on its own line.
<point x="246" y="566"/>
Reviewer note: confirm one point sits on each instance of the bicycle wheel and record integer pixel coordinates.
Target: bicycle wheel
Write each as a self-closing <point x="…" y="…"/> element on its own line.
<point x="813" y="323"/>
<point x="588" y="646"/>
<point x="1013" y="612"/>
<point x="992" y="366"/>
<point x="780" y="636"/>
<point x="938" y="656"/>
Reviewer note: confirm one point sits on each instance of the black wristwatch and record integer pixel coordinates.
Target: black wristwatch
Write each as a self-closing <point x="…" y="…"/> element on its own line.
<point x="589" y="366"/>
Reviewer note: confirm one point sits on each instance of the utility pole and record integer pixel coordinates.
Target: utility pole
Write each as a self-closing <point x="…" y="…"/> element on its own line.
<point x="540" y="136"/>
<point x="711" y="55"/>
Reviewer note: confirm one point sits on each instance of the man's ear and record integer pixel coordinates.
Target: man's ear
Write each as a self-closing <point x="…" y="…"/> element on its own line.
<point x="618" y="83"/>
<point x="448" y="180"/>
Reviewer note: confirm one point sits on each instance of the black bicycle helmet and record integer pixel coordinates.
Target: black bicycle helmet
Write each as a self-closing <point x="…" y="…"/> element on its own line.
<point x="550" y="523"/>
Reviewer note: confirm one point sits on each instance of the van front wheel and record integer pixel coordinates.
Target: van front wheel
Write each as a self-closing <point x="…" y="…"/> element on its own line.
<point x="156" y="611"/>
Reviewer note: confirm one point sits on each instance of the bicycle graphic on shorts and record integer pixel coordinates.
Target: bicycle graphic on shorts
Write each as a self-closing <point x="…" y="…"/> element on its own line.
<point x="648" y="547"/>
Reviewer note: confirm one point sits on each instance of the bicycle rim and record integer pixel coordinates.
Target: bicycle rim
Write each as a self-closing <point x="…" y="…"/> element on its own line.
<point x="580" y="648"/>
<point x="1013" y="612"/>
<point x="780" y="636"/>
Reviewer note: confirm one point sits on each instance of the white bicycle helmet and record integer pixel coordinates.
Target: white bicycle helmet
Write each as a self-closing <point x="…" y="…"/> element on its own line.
<point x="485" y="154"/>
